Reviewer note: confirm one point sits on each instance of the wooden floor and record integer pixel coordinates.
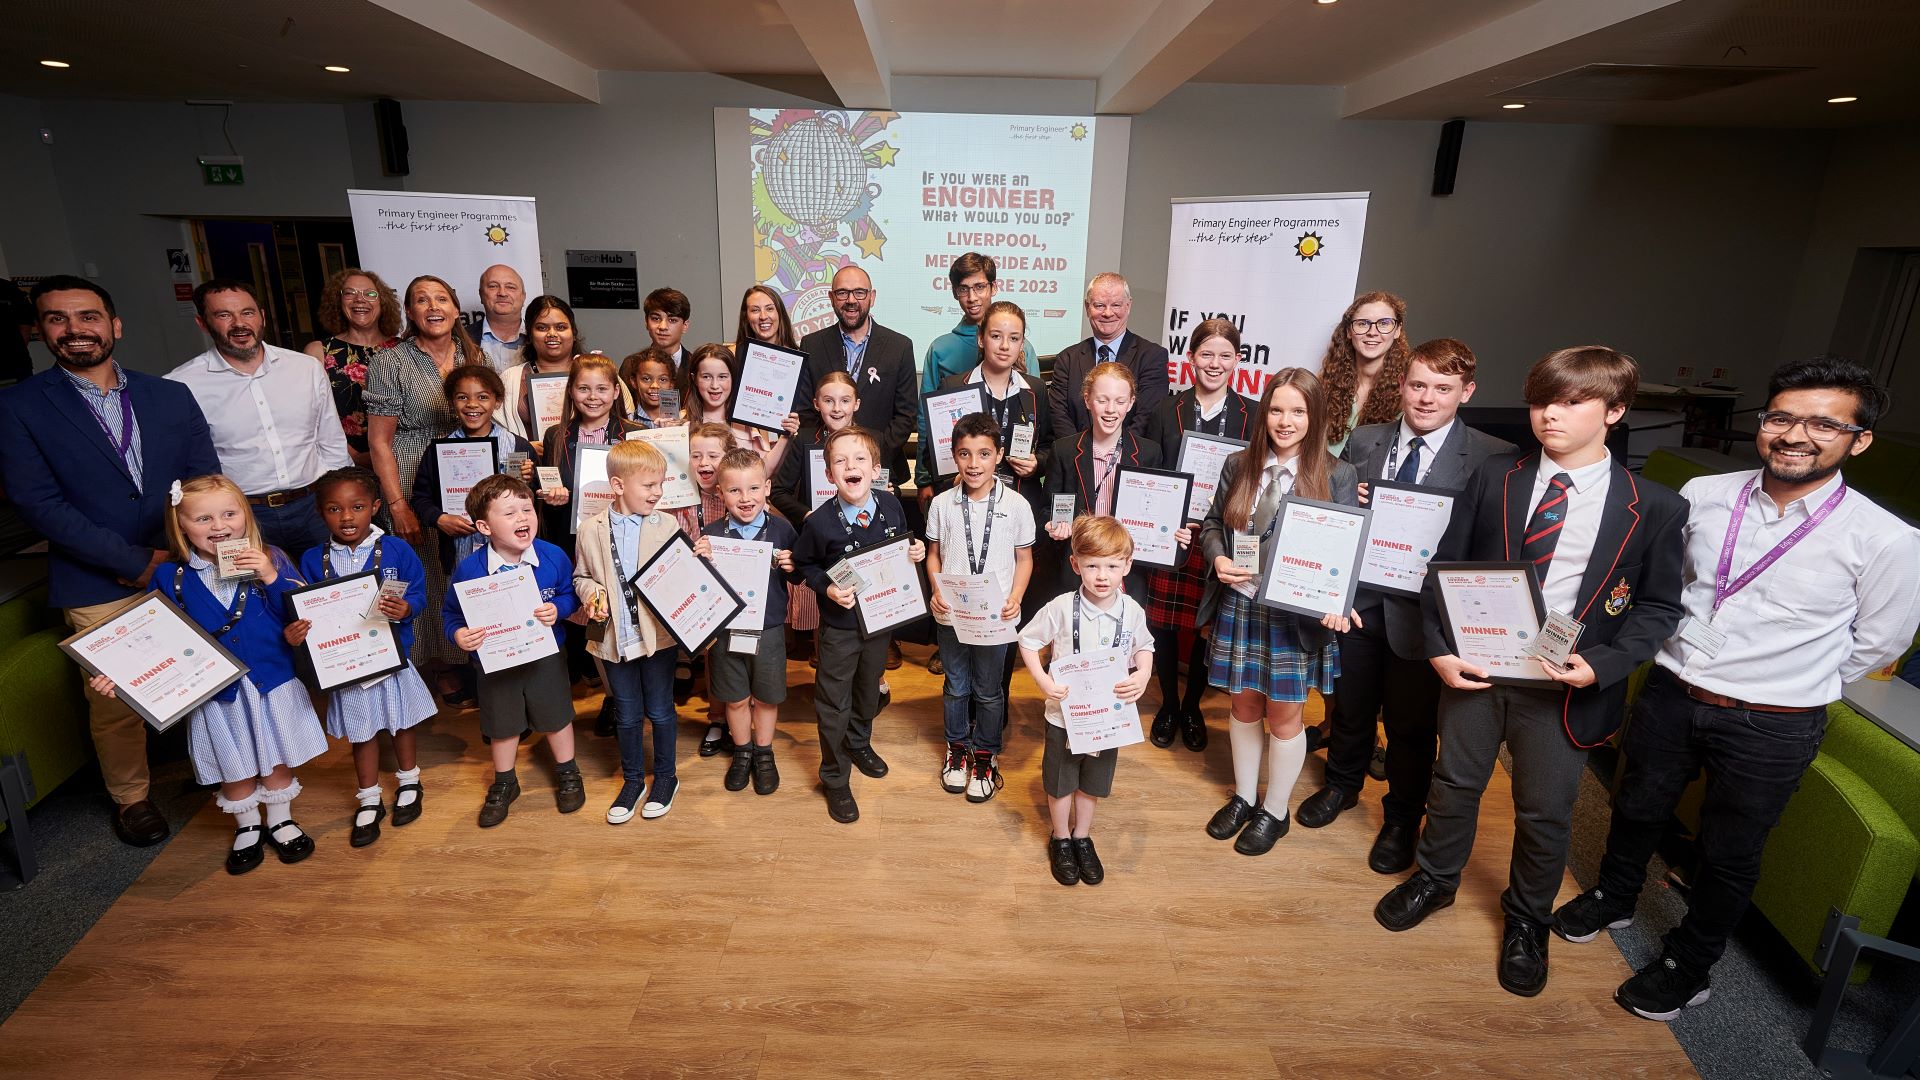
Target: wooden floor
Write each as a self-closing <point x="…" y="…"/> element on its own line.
<point x="748" y="936"/>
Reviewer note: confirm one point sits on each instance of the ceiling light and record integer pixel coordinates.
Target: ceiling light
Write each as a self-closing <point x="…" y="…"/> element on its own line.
<point x="338" y="69"/>
<point x="1514" y="105"/>
<point x="1841" y="100"/>
<point x="55" y="64"/>
<point x="1325" y="1"/>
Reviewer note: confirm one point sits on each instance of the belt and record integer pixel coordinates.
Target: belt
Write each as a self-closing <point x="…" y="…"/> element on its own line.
<point x="281" y="498"/>
<point x="1708" y="697"/>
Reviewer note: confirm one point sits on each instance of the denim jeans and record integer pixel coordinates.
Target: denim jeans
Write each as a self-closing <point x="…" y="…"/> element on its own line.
<point x="292" y="527"/>
<point x="974" y="697"/>
<point x="1753" y="762"/>
<point x="642" y="690"/>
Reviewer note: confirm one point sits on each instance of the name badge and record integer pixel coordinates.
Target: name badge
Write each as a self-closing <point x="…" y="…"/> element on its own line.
<point x="745" y="642"/>
<point x="1556" y="639"/>
<point x="1021" y="446"/>
<point x="844" y="575"/>
<point x="1701" y="635"/>
<point x="1063" y="506"/>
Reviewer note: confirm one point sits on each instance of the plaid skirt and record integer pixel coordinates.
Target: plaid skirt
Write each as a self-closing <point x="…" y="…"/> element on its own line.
<point x="1255" y="648"/>
<point x="1173" y="596"/>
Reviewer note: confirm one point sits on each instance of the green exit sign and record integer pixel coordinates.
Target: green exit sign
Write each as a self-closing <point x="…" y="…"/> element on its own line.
<point x="225" y="173"/>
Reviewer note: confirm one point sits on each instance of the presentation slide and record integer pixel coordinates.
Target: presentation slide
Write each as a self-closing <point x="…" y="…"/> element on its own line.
<point x="900" y="195"/>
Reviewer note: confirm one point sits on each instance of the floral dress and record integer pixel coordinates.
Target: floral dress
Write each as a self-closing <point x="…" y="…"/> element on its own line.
<point x="346" y="365"/>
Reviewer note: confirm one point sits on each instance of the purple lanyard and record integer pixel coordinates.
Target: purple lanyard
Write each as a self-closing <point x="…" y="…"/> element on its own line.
<point x="125" y="442"/>
<point x="1721" y="588"/>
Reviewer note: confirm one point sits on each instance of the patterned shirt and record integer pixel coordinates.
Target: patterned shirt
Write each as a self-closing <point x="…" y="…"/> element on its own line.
<point x="106" y="406"/>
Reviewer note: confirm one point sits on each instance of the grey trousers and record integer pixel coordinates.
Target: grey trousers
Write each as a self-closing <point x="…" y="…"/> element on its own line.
<point x="1546" y="777"/>
<point x="846" y="695"/>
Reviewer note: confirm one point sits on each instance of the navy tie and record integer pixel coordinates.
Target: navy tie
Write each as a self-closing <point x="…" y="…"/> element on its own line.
<point x="1410" y="468"/>
<point x="1543" y="531"/>
<point x="1106" y="353"/>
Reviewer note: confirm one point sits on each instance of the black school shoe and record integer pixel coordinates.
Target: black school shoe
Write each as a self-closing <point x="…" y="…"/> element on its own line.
<point x="1411" y="901"/>
<point x="1229" y="819"/>
<point x="241" y="860"/>
<point x="1066" y="865"/>
<point x="841" y="806"/>
<point x="1393" y="849"/>
<point x="1193" y="730"/>
<point x="500" y="795"/>
<point x="1163" y="725"/>
<point x="717" y="740"/>
<point x="869" y="762"/>
<point x="1323" y="806"/>
<point x="1262" y="832"/>
<point x="766" y="775"/>
<point x="1091" y="872"/>
<point x="1523" y="957"/>
<point x="569" y="791"/>
<point x="738" y="771"/>
<point x="408" y="813"/>
<point x="366" y="834"/>
<point x="293" y="850"/>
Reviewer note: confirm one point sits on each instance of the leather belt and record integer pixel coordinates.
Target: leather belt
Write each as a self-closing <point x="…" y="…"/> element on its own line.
<point x="1708" y="697"/>
<point x="281" y="498"/>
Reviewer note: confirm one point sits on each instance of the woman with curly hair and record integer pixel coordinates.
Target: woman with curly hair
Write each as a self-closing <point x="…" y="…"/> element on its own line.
<point x="361" y="316"/>
<point x="1368" y="351"/>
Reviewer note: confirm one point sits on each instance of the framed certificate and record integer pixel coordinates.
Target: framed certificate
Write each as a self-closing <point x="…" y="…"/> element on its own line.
<point x="592" y="492"/>
<point x="503" y="604"/>
<point x="546" y="398"/>
<point x="945" y="410"/>
<point x="748" y="566"/>
<point x="1315" y="552"/>
<point x="819" y="487"/>
<point x="463" y="463"/>
<point x="1152" y="506"/>
<point x="687" y="594"/>
<point x="1408" y="521"/>
<point x="163" y="665"/>
<point x="889" y="595"/>
<point x="1492" y="612"/>
<point x="1202" y="457"/>
<point x="769" y="385"/>
<point x="678" y="490"/>
<point x="347" y="645"/>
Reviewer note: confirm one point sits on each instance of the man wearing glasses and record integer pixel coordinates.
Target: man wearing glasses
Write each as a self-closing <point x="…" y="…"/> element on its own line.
<point x="958" y="351"/>
<point x="880" y="361"/>
<point x="1109" y="301"/>
<point x="1796" y="585"/>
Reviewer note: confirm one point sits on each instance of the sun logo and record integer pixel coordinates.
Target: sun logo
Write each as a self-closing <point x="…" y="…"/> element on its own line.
<point x="1078" y="132"/>
<point x="496" y="234"/>
<point x="1309" y="245"/>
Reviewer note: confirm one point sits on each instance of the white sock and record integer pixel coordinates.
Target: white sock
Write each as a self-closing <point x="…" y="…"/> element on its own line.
<point x="245" y="812"/>
<point x="1246" y="740"/>
<point x="368" y="799"/>
<point x="407" y="776"/>
<point x="1284" y="759"/>
<point x="279" y="808"/>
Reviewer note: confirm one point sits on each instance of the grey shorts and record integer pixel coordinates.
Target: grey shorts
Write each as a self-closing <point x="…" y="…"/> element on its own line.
<point x="763" y="676"/>
<point x="1063" y="772"/>
<point x="538" y="695"/>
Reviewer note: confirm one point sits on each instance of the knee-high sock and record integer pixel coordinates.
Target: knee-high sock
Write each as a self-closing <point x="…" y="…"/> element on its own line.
<point x="1246" y="740"/>
<point x="1284" y="759"/>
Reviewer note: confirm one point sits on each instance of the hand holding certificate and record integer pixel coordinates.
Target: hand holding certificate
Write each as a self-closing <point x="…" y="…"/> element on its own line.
<point x="1316" y="547"/>
<point x="1407" y="523"/>
<point x="1152" y="506"/>
<point x="678" y="491"/>
<point x="769" y="385"/>
<point x="349" y="641"/>
<point x="547" y="394"/>
<point x="944" y="411"/>
<point x="463" y="463"/>
<point x="592" y="492"/>
<point x="1096" y="718"/>
<point x="747" y="565"/>
<point x="1202" y="457"/>
<point x="502" y="606"/>
<point x="1492" y="612"/>
<point x="161" y="663"/>
<point x="687" y="594"/>
<point x="974" y="605"/>
<point x="890" y="595"/>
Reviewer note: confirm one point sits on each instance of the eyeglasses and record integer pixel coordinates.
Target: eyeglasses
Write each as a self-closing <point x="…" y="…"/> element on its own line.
<point x="980" y="289"/>
<point x="1819" y="428"/>
<point x="851" y="294"/>
<point x="1361" y="326"/>
<point x="371" y="294"/>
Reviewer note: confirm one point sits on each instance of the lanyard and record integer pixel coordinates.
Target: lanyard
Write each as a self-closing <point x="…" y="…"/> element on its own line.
<point x="626" y="587"/>
<point x="986" y="531"/>
<point x="1215" y="426"/>
<point x="1722" y="589"/>
<point x="879" y="519"/>
<point x="124" y="443"/>
<point x="997" y="408"/>
<point x="233" y="614"/>
<point x="326" y="561"/>
<point x="1076" y="622"/>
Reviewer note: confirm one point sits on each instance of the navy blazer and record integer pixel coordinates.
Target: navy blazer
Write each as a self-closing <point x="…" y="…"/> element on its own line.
<point x="1146" y="359"/>
<point x="73" y="489"/>
<point x="888" y="386"/>
<point x="1170" y="420"/>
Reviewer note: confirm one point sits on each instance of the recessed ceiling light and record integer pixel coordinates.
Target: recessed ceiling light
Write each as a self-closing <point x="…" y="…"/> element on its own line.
<point x="1325" y="1"/>
<point x="1514" y="105"/>
<point x="338" y="69"/>
<point x="55" y="64"/>
<point x="1841" y="100"/>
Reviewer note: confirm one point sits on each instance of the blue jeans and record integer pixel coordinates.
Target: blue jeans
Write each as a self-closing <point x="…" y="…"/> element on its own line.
<point x="642" y="690"/>
<point x="292" y="527"/>
<point x="974" y="697"/>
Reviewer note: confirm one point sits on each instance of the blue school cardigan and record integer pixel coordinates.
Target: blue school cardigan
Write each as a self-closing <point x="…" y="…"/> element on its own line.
<point x="258" y="640"/>
<point x="397" y="563"/>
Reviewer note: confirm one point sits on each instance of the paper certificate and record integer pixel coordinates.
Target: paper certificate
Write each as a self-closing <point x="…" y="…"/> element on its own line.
<point x="1152" y="506"/>
<point x="463" y="463"/>
<point x="687" y="595"/>
<point x="1492" y="613"/>
<point x="1202" y="457"/>
<point x="1096" y="720"/>
<point x="502" y="604"/>
<point x="973" y="609"/>
<point x="945" y="410"/>
<point x="592" y="493"/>
<point x="769" y="385"/>
<point x="1407" y="523"/>
<point x="891" y="596"/>
<point x="678" y="491"/>
<point x="546" y="397"/>
<point x="346" y="645"/>
<point x="820" y="487"/>
<point x="163" y="665"/>
<point x="747" y="567"/>
<point x="1316" y="547"/>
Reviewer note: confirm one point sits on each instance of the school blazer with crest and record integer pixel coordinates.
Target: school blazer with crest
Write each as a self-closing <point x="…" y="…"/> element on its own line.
<point x="1629" y="597"/>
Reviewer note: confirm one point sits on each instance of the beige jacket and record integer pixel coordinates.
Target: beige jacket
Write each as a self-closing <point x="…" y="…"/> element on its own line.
<point x="593" y="576"/>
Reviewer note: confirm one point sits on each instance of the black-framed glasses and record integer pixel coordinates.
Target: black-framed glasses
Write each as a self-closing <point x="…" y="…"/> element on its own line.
<point x="980" y="288"/>
<point x="1385" y="326"/>
<point x="1819" y="428"/>
<point x="851" y="294"/>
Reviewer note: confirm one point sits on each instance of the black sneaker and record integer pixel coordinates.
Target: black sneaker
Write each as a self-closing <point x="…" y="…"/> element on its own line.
<point x="1662" y="990"/>
<point x="953" y="774"/>
<point x="1163" y="725"/>
<point x="739" y="770"/>
<point x="1581" y="919"/>
<point x="569" y="791"/>
<point x="500" y="795"/>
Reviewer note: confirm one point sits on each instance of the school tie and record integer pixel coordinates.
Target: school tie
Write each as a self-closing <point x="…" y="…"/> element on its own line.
<point x="1543" y="531"/>
<point x="1410" y="468"/>
<point x="862" y="519"/>
<point x="1106" y="353"/>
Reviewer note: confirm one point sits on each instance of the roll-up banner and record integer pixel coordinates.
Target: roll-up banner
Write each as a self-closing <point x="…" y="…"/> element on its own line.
<point x="404" y="234"/>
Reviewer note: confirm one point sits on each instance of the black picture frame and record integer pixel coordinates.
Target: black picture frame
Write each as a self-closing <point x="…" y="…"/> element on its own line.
<point x="1376" y="486"/>
<point x="1352" y="575"/>
<point x="307" y="650"/>
<point x="868" y="632"/>
<point x="1526" y="570"/>
<point x="433" y="448"/>
<point x="680" y="539"/>
<point x="1186" y="498"/>
<point x="71" y="645"/>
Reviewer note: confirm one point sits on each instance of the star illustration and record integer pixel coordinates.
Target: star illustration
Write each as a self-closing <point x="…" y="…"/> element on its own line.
<point x="871" y="244"/>
<point x="884" y="153"/>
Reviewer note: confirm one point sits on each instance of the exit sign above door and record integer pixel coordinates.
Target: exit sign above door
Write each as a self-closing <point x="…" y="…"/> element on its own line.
<point x="223" y="170"/>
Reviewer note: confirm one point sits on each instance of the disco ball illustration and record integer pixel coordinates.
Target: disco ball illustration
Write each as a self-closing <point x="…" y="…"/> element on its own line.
<point x="814" y="172"/>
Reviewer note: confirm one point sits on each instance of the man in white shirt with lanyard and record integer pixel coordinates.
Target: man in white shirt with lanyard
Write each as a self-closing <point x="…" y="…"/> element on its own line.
<point x="271" y="413"/>
<point x="1795" y="585"/>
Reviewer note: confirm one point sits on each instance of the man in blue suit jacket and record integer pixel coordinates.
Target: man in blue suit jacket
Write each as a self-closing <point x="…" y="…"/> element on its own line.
<point x="89" y="451"/>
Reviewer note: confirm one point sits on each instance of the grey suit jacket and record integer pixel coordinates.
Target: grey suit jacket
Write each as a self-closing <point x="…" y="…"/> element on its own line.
<point x="1462" y="452"/>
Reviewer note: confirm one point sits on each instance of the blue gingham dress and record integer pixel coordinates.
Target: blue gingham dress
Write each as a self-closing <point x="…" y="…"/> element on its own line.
<point x="392" y="703"/>
<point x="232" y="742"/>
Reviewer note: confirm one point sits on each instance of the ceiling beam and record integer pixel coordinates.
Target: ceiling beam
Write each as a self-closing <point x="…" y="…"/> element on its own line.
<point x="844" y="38"/>
<point x="483" y="31"/>
<point x="1173" y="45"/>
<point x="1531" y="29"/>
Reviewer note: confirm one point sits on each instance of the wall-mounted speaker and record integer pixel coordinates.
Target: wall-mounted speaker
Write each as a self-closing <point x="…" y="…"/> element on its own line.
<point x="393" y="137"/>
<point x="1446" y="160"/>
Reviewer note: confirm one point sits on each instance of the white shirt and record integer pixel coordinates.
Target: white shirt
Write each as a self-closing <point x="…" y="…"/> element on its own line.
<point x="1012" y="529"/>
<point x="1121" y="624"/>
<point x="274" y="429"/>
<point x="1429" y="443"/>
<point x="501" y="354"/>
<point x="1838" y="604"/>
<point x="497" y="562"/>
<point x="1586" y="501"/>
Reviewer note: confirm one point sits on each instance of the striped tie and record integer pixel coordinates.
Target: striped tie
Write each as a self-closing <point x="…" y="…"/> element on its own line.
<point x="1543" y="531"/>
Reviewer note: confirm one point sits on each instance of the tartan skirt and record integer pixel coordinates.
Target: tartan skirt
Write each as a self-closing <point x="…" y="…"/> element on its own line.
<point x="1173" y="596"/>
<point x="1255" y="648"/>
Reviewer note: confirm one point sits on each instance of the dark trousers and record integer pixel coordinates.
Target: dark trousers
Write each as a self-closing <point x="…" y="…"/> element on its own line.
<point x="641" y="693"/>
<point x="293" y="527"/>
<point x="1546" y="777"/>
<point x="1753" y="762"/>
<point x="1373" y="678"/>
<point x="846" y="696"/>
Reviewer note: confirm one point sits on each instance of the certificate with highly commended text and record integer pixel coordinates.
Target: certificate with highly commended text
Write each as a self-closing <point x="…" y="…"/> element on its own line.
<point x="502" y="604"/>
<point x="1096" y="718"/>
